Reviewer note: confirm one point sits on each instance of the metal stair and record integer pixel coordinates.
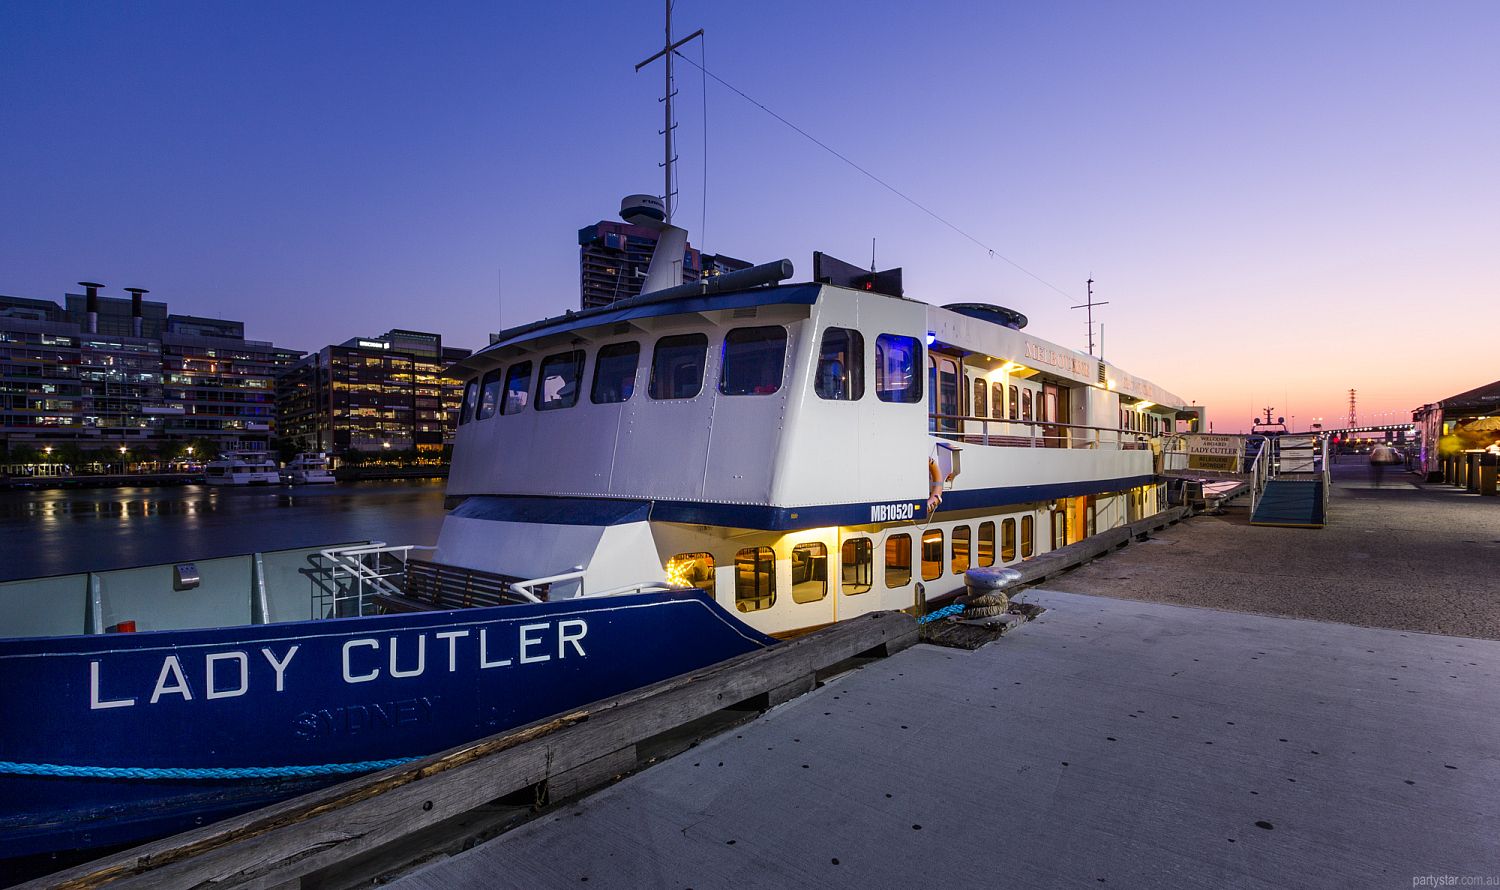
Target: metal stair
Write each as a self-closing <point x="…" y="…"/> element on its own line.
<point x="1293" y="482"/>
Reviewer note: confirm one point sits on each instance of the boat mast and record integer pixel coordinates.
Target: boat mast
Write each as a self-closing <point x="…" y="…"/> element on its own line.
<point x="669" y="158"/>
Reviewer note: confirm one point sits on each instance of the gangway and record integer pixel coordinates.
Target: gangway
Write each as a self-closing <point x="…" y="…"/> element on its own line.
<point x="1294" y="493"/>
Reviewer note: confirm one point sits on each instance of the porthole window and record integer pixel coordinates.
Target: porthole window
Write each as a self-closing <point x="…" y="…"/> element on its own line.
<point x="809" y="572"/>
<point x="517" y="388"/>
<point x="489" y="400"/>
<point x="692" y="570"/>
<point x="754" y="579"/>
<point x="1027" y="545"/>
<point x="557" y="382"/>
<point x="986" y="548"/>
<point x="841" y="365"/>
<point x="752" y="361"/>
<point x="897" y="561"/>
<point x="677" y="366"/>
<point x="932" y="554"/>
<point x="857" y="565"/>
<point x="1008" y="540"/>
<point x="897" y="360"/>
<point x="614" y="373"/>
<point x="471" y="401"/>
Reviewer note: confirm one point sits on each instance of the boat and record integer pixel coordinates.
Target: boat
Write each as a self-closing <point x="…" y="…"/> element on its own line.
<point x="242" y="468"/>
<point x="308" y="468"/>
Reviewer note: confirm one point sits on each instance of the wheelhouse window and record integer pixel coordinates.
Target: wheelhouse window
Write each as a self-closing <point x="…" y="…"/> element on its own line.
<point x="932" y="554"/>
<point x="857" y="566"/>
<point x="754" y="579"/>
<point x="897" y="561"/>
<point x="752" y="361"/>
<point x="517" y="388"/>
<point x="677" y="367"/>
<point x="841" y="365"/>
<point x="557" y="383"/>
<point x="809" y="572"/>
<point x="960" y="550"/>
<point x="1027" y="538"/>
<point x="489" y="402"/>
<point x="981" y="409"/>
<point x="692" y="570"/>
<point x="614" y="373"/>
<point x="1014" y="406"/>
<point x="471" y="401"/>
<point x="1007" y="540"/>
<point x="897" y="359"/>
<point x="986" y="549"/>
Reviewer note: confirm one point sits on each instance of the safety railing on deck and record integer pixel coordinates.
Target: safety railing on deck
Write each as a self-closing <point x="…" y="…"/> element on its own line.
<point x="1037" y="433"/>
<point x="360" y="573"/>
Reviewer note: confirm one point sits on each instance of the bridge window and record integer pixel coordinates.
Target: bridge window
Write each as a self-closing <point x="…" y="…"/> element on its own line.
<point x="692" y="570"/>
<point x="960" y="549"/>
<point x="752" y="361"/>
<point x="471" y="400"/>
<point x="754" y="578"/>
<point x="1015" y="404"/>
<point x="557" y="382"/>
<point x="897" y="561"/>
<point x="932" y="554"/>
<point x="857" y="565"/>
<point x="677" y="367"/>
<point x="489" y="402"/>
<point x="517" y="388"/>
<point x="809" y="573"/>
<point x="986" y="543"/>
<point x="614" y="373"/>
<point x="896" y="362"/>
<point x="1007" y="540"/>
<point x="981" y="409"/>
<point x="1027" y="546"/>
<point x="841" y="365"/>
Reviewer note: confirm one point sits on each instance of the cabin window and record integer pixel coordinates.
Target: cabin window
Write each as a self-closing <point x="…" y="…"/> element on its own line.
<point x="896" y="361"/>
<point x="809" y="572"/>
<point x="489" y="402"/>
<point x="1059" y="527"/>
<point x="677" y="366"/>
<point x="557" y="383"/>
<point x="986" y="552"/>
<point x="1007" y="540"/>
<point x="471" y="400"/>
<point x="692" y="570"/>
<point x="897" y="561"/>
<point x="960" y="551"/>
<point x="981" y="409"/>
<point x="1027" y="544"/>
<point x="752" y="361"/>
<point x="841" y="365"/>
<point x="517" y="388"/>
<point x="997" y="399"/>
<point x="614" y="373"/>
<point x="944" y="400"/>
<point x="1015" y="404"/>
<point x="858" y="565"/>
<point x="754" y="579"/>
<point x="1025" y="404"/>
<point x="932" y="554"/>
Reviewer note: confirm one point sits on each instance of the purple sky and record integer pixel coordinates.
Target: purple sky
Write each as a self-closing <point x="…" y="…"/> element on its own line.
<point x="1280" y="200"/>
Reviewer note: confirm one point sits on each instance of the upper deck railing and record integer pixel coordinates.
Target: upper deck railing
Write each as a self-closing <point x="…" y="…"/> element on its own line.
<point x="1036" y="433"/>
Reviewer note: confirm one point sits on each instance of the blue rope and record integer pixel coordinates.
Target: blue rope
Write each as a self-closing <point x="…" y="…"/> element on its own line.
<point x="8" y="767"/>
<point x="944" y="612"/>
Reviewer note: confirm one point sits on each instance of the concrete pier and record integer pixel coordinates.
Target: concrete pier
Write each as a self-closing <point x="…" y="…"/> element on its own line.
<point x="1113" y="741"/>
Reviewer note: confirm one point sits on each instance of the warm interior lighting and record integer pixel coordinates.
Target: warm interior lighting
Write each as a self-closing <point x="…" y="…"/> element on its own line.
<point x="679" y="572"/>
<point x="1110" y="385"/>
<point x="1142" y="406"/>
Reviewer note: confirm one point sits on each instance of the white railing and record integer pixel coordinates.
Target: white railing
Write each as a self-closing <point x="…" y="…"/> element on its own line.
<point x="1036" y="433"/>
<point x="365" y="572"/>
<point x="1260" y="472"/>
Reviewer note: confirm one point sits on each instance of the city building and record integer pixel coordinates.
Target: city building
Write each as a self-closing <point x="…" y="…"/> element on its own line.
<point x="613" y="256"/>
<point x="111" y="374"/>
<point x="372" y="395"/>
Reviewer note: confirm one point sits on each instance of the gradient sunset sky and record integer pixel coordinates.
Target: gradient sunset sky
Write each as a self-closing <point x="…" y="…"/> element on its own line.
<point x="1280" y="201"/>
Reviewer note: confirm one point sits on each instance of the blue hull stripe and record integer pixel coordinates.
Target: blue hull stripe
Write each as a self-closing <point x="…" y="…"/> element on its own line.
<point x="609" y="511"/>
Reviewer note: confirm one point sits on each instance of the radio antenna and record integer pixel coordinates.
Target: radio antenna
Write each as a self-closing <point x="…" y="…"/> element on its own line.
<point x="1090" y="307"/>
<point x="669" y="156"/>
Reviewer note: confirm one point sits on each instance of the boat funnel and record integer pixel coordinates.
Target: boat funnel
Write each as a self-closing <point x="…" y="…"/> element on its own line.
<point x="648" y="212"/>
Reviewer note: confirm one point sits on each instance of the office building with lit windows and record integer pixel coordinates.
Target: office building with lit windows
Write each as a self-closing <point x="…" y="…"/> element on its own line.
<point x="613" y="256"/>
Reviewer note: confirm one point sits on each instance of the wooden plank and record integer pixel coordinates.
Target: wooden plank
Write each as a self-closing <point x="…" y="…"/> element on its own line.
<point x="281" y="843"/>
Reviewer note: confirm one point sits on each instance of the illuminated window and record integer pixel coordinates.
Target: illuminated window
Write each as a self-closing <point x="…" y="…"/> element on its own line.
<point x="517" y="388"/>
<point x="809" y="573"/>
<point x="997" y="400"/>
<point x="1007" y="540"/>
<point x="614" y="373"/>
<point x="752" y="360"/>
<point x="1014" y="406"/>
<point x="896" y="361"/>
<point x="1025" y="404"/>
<point x="932" y="554"/>
<point x="692" y="570"/>
<point x="858" y="565"/>
<point x="1027" y="547"/>
<point x="754" y="579"/>
<point x="841" y="365"/>
<point x="980" y="408"/>
<point x="677" y="366"/>
<point x="897" y="561"/>
<point x="489" y="402"/>
<point x="960" y="552"/>
<point x="557" y="382"/>
<point x="1059" y="525"/>
<point x="986" y="543"/>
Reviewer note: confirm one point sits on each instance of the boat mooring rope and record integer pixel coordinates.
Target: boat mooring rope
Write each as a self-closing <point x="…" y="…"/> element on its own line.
<point x="944" y="612"/>
<point x="12" y="768"/>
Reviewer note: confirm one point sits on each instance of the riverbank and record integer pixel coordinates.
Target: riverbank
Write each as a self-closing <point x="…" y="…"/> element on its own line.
<point x="154" y="480"/>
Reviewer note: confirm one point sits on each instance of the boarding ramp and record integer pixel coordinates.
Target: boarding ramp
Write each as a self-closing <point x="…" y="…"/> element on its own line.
<point x="1295" y="491"/>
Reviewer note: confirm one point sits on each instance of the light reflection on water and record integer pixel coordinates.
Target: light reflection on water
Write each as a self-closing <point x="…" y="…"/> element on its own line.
<point x="54" y="532"/>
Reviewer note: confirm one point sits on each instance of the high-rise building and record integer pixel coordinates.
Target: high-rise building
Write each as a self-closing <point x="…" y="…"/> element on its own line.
<point x="613" y="256"/>
<point x="372" y="394"/>
<point x="109" y="372"/>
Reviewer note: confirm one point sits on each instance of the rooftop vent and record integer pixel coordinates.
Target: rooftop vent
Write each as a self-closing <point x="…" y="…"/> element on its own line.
<point x="991" y="313"/>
